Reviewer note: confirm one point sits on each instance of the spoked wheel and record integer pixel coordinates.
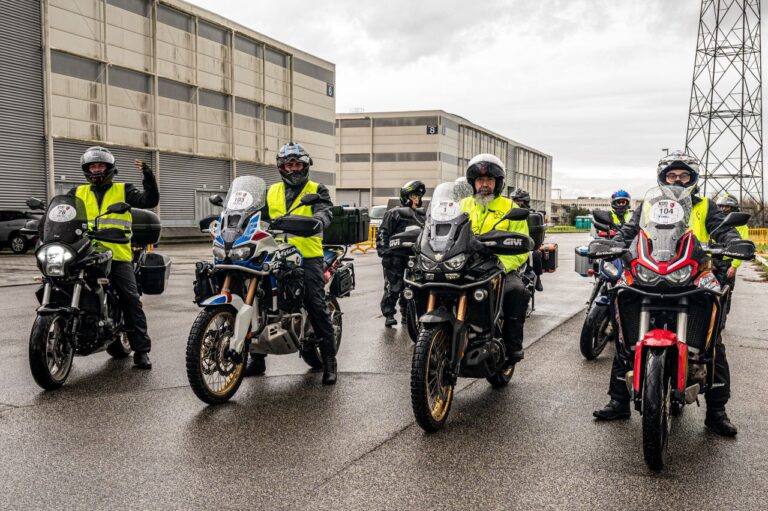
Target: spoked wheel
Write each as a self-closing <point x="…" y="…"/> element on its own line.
<point x="412" y="321"/>
<point x="656" y="409"/>
<point x="213" y="373"/>
<point x="596" y="332"/>
<point x="311" y="352"/>
<point x="431" y="388"/>
<point x="120" y="347"/>
<point x="50" y="353"/>
<point x="502" y="378"/>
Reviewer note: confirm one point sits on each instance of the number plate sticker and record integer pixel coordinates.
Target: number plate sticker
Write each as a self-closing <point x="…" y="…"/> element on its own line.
<point x="667" y="212"/>
<point x="62" y="213"/>
<point x="240" y="200"/>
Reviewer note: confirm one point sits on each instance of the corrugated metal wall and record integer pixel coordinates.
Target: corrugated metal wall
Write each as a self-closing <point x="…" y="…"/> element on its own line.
<point x="66" y="163"/>
<point x="22" y="114"/>
<point x="266" y="172"/>
<point x="180" y="177"/>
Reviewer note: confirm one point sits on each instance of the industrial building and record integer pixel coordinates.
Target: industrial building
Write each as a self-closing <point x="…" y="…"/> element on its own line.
<point x="201" y="97"/>
<point x="377" y="152"/>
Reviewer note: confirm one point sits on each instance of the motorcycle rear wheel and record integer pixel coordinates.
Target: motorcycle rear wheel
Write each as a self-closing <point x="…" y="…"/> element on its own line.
<point x="120" y="347"/>
<point x="431" y="390"/>
<point x="212" y="372"/>
<point x="311" y="352"/>
<point x="657" y="393"/>
<point x="502" y="378"/>
<point x="50" y="356"/>
<point x="594" y="332"/>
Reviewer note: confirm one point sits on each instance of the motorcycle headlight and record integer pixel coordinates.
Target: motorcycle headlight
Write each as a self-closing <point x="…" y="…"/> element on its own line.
<point x="646" y="276"/>
<point x="610" y="269"/>
<point x="681" y="276"/>
<point x="218" y="253"/>
<point x="455" y="263"/>
<point x="54" y="258"/>
<point x="240" y="253"/>
<point x="427" y="264"/>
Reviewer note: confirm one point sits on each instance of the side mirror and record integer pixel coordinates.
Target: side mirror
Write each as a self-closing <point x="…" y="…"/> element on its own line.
<point x="33" y="203"/>
<point x="216" y="200"/>
<point x="205" y="223"/>
<point x="515" y="214"/>
<point x="602" y="217"/>
<point x="606" y="249"/>
<point x="310" y="198"/>
<point x="119" y="207"/>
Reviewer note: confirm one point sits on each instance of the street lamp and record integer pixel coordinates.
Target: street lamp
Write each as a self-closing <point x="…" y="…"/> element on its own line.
<point x="666" y="150"/>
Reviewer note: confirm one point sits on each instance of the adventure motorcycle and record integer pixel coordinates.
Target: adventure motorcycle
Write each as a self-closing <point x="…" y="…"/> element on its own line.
<point x="79" y="311"/>
<point x="669" y="310"/>
<point x="458" y="285"/>
<point x="252" y="294"/>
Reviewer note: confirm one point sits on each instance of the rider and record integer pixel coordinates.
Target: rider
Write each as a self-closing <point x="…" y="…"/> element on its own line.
<point x="294" y="162"/>
<point x="727" y="204"/>
<point x="395" y="222"/>
<point x="98" y="165"/>
<point x="485" y="174"/>
<point x="679" y="169"/>
<point x="620" y="207"/>
<point x="523" y="200"/>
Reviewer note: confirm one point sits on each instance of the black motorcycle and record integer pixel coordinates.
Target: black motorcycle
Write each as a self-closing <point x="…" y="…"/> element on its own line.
<point x="79" y="311"/>
<point x="457" y="284"/>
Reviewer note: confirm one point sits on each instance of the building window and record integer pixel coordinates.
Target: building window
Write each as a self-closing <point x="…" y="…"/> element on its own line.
<point x="388" y="122"/>
<point x="354" y="157"/>
<point x="213" y="33"/>
<point x="248" y="108"/>
<point x="305" y="122"/>
<point x="276" y="57"/>
<point x="213" y="100"/>
<point x="175" y="90"/>
<point x="354" y="123"/>
<point x="128" y="79"/>
<point x="249" y="46"/>
<point x="313" y="70"/>
<point x="77" y="67"/>
<point x="140" y="7"/>
<point x="278" y="116"/>
<point x="397" y="157"/>
<point x="175" y="18"/>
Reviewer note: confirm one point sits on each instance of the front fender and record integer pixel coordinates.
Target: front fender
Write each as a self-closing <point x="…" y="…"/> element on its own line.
<point x="437" y="316"/>
<point x="225" y="298"/>
<point x="659" y="338"/>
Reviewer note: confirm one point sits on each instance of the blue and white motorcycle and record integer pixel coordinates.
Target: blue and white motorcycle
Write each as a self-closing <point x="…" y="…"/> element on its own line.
<point x="252" y="293"/>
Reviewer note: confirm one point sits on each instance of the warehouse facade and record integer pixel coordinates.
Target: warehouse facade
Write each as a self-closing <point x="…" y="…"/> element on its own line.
<point x="377" y="152"/>
<point x="199" y="96"/>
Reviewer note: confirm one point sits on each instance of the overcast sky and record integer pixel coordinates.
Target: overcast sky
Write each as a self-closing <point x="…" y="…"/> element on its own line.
<point x="601" y="85"/>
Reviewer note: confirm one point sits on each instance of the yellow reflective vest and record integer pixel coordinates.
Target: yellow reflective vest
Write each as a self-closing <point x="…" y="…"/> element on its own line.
<point x="309" y="247"/>
<point x="483" y="220"/>
<point x="123" y="221"/>
<point x="744" y="233"/>
<point x="617" y="220"/>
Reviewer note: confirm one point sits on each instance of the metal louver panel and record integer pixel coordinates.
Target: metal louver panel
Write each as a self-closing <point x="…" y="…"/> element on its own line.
<point x="66" y="162"/>
<point x="182" y="179"/>
<point x="268" y="173"/>
<point x="22" y="115"/>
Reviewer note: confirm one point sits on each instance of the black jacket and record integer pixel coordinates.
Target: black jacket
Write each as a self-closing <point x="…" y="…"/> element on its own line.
<point x="321" y="210"/>
<point x="630" y="229"/>
<point x="394" y="222"/>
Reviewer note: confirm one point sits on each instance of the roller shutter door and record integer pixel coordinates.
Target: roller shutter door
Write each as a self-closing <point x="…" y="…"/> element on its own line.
<point x="268" y="173"/>
<point x="23" y="167"/>
<point x="187" y="180"/>
<point x="66" y="162"/>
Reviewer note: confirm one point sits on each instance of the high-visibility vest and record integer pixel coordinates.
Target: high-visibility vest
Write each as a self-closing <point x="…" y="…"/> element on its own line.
<point x="483" y="220"/>
<point x="697" y="221"/>
<point x="744" y="233"/>
<point x="122" y="221"/>
<point x="617" y="220"/>
<point x="311" y="246"/>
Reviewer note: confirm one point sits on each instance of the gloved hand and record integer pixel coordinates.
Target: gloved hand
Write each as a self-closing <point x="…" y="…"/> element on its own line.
<point x="143" y="166"/>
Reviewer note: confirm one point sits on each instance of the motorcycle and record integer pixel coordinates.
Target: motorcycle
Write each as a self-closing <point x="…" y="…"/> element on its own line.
<point x="251" y="296"/>
<point x="457" y="284"/>
<point x="597" y="330"/>
<point x="669" y="310"/>
<point x="79" y="311"/>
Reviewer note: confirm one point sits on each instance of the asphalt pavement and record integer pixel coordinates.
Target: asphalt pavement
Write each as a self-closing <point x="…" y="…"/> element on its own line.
<point x="119" y="438"/>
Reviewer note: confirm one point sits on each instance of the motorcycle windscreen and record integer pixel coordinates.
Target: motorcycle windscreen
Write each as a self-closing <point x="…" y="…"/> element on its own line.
<point x="246" y="196"/>
<point x="442" y="215"/>
<point x="65" y="220"/>
<point x="665" y="219"/>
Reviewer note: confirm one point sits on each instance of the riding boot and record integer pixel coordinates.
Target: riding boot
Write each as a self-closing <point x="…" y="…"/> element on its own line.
<point x="329" y="365"/>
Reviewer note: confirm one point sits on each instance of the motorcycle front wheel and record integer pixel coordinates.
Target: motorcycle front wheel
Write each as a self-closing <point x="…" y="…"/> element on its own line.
<point x="595" y="333"/>
<point x="431" y="389"/>
<point x="213" y="372"/>
<point x="656" y="409"/>
<point x="50" y="353"/>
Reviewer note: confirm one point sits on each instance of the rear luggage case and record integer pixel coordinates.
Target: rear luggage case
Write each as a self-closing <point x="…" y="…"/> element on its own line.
<point x="582" y="264"/>
<point x="349" y="226"/>
<point x="549" y="257"/>
<point x="343" y="281"/>
<point x="153" y="273"/>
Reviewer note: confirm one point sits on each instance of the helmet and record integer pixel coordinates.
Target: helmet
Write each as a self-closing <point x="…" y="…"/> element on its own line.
<point x="293" y="151"/>
<point x="98" y="154"/>
<point x="620" y="196"/>
<point x="486" y="165"/>
<point x="728" y="201"/>
<point x="522" y="198"/>
<point x="411" y="188"/>
<point x="678" y="160"/>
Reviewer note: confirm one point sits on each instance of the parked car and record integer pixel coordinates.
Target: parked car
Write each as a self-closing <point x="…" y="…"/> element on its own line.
<point x="11" y="224"/>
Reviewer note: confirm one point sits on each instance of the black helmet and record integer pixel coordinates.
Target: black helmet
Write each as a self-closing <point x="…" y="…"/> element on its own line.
<point x="675" y="161"/>
<point x="293" y="151"/>
<point x="98" y="154"/>
<point x="411" y="188"/>
<point x="522" y="198"/>
<point x="486" y="165"/>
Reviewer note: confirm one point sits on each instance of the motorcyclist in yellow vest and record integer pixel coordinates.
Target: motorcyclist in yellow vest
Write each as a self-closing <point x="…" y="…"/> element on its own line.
<point x="98" y="165"/>
<point x="485" y="174"/>
<point x="620" y="207"/>
<point x="679" y="169"/>
<point x="294" y="162"/>
<point x="727" y="204"/>
<point x="522" y="199"/>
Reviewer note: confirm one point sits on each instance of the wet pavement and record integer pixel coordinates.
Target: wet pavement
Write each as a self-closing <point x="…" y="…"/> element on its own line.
<point x="119" y="438"/>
